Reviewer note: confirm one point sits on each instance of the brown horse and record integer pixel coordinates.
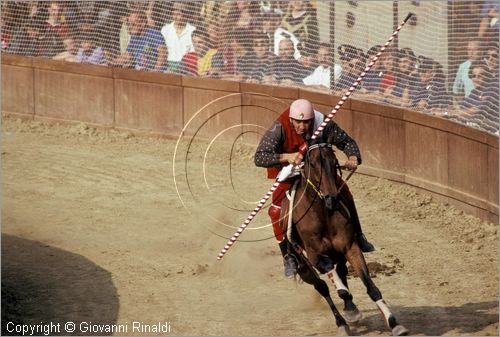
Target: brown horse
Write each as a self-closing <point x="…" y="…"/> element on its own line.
<point x="323" y="231"/>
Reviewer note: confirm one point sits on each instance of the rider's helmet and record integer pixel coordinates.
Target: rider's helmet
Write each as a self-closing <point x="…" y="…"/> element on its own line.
<point x="301" y="110"/>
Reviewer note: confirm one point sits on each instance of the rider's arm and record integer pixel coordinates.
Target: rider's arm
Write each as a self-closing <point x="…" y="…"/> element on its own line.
<point x="267" y="153"/>
<point x="336" y="136"/>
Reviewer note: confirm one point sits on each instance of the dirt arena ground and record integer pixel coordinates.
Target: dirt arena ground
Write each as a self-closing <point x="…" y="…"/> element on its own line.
<point x="94" y="231"/>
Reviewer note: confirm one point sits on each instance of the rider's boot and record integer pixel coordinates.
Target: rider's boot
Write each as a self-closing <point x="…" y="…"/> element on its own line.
<point x="289" y="260"/>
<point x="347" y="197"/>
<point x="364" y="245"/>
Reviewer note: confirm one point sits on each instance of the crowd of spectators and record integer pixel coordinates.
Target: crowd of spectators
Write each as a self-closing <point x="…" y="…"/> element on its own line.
<point x="269" y="42"/>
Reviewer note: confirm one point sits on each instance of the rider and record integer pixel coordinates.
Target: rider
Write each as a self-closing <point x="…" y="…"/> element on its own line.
<point x="280" y="147"/>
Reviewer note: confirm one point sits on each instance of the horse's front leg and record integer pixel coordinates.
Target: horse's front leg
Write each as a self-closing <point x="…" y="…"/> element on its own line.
<point x="357" y="260"/>
<point x="309" y="275"/>
<point x="338" y="276"/>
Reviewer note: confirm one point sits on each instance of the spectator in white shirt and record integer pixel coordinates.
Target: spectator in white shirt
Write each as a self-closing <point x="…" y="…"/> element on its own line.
<point x="321" y="75"/>
<point x="177" y="35"/>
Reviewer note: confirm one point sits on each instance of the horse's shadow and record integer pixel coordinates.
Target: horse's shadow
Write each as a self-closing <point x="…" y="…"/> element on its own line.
<point x="44" y="284"/>
<point x="467" y="319"/>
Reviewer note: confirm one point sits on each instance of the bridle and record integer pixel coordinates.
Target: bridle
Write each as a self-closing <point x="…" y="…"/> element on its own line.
<point x="321" y="195"/>
<point x="309" y="181"/>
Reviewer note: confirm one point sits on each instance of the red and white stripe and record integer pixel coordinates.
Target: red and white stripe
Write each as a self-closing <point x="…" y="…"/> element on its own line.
<point x="261" y="203"/>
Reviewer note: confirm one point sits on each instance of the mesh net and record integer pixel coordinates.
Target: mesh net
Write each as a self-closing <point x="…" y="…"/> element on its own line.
<point x="443" y="62"/>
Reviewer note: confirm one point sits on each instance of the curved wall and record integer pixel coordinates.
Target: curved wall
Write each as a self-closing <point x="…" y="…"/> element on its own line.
<point x="457" y="164"/>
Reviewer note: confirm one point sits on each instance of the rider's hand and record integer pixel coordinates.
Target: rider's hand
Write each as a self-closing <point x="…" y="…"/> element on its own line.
<point x="291" y="158"/>
<point x="352" y="163"/>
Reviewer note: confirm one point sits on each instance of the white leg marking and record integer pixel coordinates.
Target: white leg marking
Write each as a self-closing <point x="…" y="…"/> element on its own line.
<point x="384" y="308"/>
<point x="332" y="275"/>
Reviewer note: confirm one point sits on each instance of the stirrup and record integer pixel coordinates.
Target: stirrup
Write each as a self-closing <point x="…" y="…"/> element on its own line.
<point x="290" y="266"/>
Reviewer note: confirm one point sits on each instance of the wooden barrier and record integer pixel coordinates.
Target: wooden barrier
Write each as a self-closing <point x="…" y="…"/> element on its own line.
<point x="457" y="164"/>
<point x="147" y="101"/>
<point x="66" y="91"/>
<point x="18" y="86"/>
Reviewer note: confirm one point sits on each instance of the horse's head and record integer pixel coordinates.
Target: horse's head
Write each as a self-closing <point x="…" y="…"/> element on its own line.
<point x="320" y="171"/>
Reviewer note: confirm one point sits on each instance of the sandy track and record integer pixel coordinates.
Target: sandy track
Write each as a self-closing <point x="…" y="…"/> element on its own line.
<point x="93" y="231"/>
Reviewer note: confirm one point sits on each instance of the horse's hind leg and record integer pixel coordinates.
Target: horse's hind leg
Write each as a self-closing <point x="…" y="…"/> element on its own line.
<point x="357" y="260"/>
<point x="338" y="276"/>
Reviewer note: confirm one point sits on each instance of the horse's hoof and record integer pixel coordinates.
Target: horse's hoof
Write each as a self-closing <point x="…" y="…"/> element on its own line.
<point x="400" y="330"/>
<point x="352" y="316"/>
<point x="343" y="331"/>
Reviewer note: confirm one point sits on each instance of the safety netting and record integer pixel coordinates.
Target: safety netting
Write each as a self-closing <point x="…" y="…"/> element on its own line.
<point x="443" y="62"/>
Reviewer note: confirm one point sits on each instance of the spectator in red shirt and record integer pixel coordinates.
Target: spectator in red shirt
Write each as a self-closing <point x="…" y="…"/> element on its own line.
<point x="199" y="62"/>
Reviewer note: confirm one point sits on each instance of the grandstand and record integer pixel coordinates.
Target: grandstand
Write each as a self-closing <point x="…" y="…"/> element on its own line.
<point x="445" y="61"/>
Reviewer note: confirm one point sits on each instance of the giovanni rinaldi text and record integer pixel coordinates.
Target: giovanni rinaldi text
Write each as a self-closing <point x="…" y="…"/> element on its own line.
<point x="86" y="327"/>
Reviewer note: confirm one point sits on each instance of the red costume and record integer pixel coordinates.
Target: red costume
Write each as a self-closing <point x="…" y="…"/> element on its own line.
<point x="292" y="143"/>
